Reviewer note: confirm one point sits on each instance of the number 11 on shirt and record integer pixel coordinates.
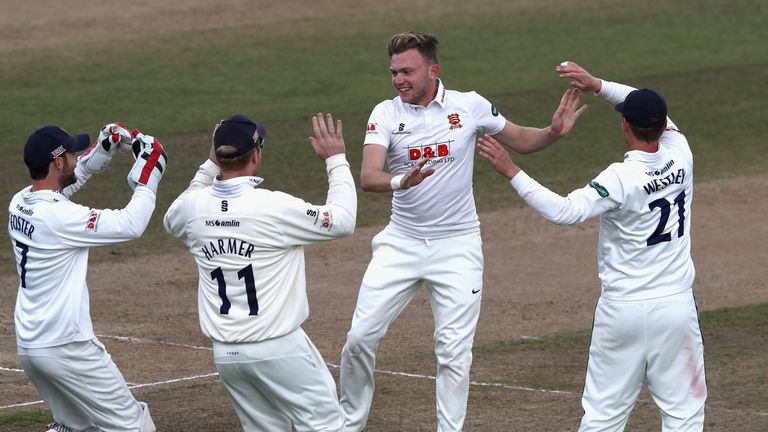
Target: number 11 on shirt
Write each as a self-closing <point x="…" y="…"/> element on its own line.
<point x="250" y="289"/>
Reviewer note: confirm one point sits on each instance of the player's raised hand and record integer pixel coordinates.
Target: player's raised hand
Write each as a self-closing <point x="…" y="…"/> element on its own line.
<point x="580" y="78"/>
<point x="493" y="152"/>
<point x="150" y="164"/>
<point x="212" y="153"/>
<point x="98" y="156"/>
<point x="328" y="140"/>
<point x="415" y="175"/>
<point x="568" y="111"/>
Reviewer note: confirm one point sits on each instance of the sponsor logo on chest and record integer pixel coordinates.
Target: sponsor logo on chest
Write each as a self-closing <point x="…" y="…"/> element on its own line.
<point x="427" y="151"/>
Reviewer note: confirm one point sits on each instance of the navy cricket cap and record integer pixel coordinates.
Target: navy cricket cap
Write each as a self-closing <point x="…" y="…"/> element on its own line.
<point x="240" y="132"/>
<point x="644" y="108"/>
<point x="50" y="142"/>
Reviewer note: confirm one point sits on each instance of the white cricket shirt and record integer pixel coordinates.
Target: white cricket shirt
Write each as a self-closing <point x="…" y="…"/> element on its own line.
<point x="248" y="246"/>
<point x="644" y="203"/>
<point x="445" y="130"/>
<point x="50" y="236"/>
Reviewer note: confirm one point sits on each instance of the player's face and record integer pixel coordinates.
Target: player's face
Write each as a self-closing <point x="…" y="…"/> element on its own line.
<point x="413" y="78"/>
<point x="67" y="175"/>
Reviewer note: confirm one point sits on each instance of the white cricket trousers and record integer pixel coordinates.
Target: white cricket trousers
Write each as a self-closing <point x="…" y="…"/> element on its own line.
<point x="452" y="269"/>
<point x="83" y="388"/>
<point x="279" y="383"/>
<point x="659" y="339"/>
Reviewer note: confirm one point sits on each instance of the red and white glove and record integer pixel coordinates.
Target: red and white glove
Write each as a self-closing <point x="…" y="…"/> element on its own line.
<point x="98" y="155"/>
<point x="151" y="161"/>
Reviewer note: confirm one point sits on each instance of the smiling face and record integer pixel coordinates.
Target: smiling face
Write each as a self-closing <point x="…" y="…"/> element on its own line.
<point x="413" y="77"/>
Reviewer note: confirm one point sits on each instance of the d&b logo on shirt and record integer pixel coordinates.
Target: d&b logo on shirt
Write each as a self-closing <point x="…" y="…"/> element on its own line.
<point x="429" y="151"/>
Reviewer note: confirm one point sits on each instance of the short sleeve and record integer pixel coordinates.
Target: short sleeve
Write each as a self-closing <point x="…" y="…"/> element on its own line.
<point x="377" y="131"/>
<point x="489" y="120"/>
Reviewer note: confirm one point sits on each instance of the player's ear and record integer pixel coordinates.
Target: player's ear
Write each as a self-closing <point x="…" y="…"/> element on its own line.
<point x="625" y="125"/>
<point x="58" y="163"/>
<point x="434" y="71"/>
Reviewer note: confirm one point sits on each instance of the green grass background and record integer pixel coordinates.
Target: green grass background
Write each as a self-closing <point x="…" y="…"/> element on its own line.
<point x="707" y="57"/>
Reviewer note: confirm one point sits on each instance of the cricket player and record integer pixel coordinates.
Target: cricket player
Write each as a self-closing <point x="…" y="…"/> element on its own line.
<point x="248" y="244"/>
<point x="646" y="323"/>
<point x="426" y="136"/>
<point x="51" y="237"/>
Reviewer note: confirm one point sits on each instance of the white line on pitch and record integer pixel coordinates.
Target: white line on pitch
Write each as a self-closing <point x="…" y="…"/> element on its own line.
<point x="132" y="386"/>
<point x="11" y="369"/>
<point x="475" y="383"/>
<point x="150" y="341"/>
<point x="171" y="381"/>
<point x="21" y="404"/>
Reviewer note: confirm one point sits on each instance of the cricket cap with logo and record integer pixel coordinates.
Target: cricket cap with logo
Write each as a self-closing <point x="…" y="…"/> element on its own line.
<point x="50" y="142"/>
<point x="644" y="108"/>
<point x="240" y="132"/>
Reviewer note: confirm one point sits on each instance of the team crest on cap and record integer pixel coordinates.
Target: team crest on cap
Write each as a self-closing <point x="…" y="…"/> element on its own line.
<point x="455" y="121"/>
<point x="58" y="151"/>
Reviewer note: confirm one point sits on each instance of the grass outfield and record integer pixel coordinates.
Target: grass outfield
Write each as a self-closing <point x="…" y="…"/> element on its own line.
<point x="707" y="57"/>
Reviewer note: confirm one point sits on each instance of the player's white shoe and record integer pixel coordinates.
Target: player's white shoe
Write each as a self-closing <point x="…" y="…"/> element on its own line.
<point x="55" y="427"/>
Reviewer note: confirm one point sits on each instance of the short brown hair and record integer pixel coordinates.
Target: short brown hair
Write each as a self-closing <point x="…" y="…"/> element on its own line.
<point x="425" y="43"/>
<point x="649" y="134"/>
<point x="227" y="163"/>
<point x="39" y="173"/>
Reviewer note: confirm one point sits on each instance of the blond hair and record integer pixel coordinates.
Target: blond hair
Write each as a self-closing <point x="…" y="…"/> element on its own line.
<point x="425" y="43"/>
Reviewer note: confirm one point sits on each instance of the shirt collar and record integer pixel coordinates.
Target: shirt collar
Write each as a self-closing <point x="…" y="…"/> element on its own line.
<point x="235" y="186"/>
<point x="42" y="195"/>
<point x="641" y="156"/>
<point x="440" y="97"/>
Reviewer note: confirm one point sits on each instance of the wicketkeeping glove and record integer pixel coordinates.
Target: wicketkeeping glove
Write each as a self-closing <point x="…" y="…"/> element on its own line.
<point x="98" y="156"/>
<point x="151" y="161"/>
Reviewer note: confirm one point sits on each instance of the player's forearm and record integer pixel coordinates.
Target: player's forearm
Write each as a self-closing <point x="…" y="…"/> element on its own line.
<point x="535" y="139"/>
<point x="342" y="196"/>
<point x="205" y="175"/>
<point x="128" y="223"/>
<point x="172" y="221"/>
<point x="551" y="206"/>
<point x="614" y="92"/>
<point x="136" y="215"/>
<point x="372" y="180"/>
<point x="525" y="140"/>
